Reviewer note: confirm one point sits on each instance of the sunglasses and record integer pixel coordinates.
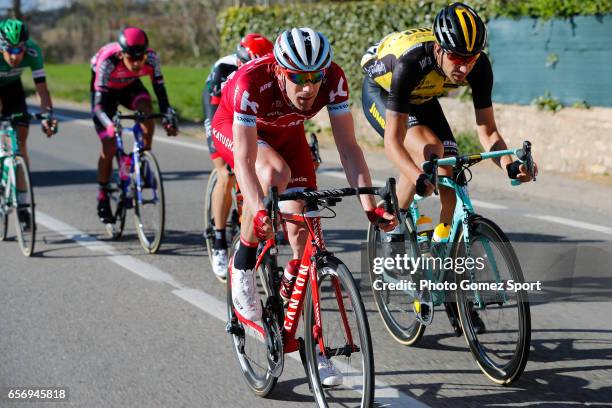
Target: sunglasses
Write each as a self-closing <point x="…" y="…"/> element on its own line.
<point x="14" y="50"/>
<point x="301" y="78"/>
<point x="460" y="60"/>
<point x="134" y="58"/>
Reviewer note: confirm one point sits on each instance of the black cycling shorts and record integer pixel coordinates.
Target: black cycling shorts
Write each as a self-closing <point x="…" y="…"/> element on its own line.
<point x="13" y="100"/>
<point x="209" y="112"/>
<point x="114" y="97"/>
<point x="429" y="114"/>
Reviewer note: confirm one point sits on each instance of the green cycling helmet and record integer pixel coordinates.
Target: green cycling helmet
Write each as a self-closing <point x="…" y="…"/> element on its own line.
<point x="13" y="32"/>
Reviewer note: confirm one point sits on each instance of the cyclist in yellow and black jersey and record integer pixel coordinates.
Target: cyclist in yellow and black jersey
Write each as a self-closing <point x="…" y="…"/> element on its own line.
<point x="405" y="74"/>
<point x="402" y="68"/>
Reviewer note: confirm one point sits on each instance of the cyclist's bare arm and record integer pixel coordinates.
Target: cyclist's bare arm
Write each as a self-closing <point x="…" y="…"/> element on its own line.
<point x="45" y="98"/>
<point x="245" y="155"/>
<point x="491" y="140"/>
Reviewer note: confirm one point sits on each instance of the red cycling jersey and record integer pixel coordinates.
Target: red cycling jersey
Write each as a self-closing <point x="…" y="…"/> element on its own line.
<point x="252" y="97"/>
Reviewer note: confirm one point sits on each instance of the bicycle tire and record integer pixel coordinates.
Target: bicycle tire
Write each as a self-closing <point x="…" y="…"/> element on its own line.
<point x="26" y="234"/>
<point x="411" y="332"/>
<point x="117" y="200"/>
<point x="261" y="384"/>
<point x="232" y="226"/>
<point x="482" y="345"/>
<point x="4" y="209"/>
<point x="152" y="192"/>
<point x="333" y="272"/>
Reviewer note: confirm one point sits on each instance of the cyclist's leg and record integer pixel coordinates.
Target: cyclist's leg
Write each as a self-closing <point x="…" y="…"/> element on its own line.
<point x="105" y="160"/>
<point x="222" y="193"/>
<point x="136" y="97"/>
<point x="431" y="115"/>
<point x="373" y="99"/>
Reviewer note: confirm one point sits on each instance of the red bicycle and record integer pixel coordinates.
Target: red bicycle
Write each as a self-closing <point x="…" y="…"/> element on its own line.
<point x="325" y="294"/>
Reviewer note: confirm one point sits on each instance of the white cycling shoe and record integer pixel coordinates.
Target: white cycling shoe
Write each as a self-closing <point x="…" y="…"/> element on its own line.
<point x="244" y="294"/>
<point x="328" y="373"/>
<point x="219" y="263"/>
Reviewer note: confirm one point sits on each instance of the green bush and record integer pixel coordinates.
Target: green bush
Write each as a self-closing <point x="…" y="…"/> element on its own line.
<point x="353" y="26"/>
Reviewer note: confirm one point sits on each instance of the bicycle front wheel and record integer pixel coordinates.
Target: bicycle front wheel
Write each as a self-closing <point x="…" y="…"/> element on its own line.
<point x="4" y="208"/>
<point x="25" y="221"/>
<point x="502" y="349"/>
<point x="149" y="205"/>
<point x="259" y="352"/>
<point x="346" y="337"/>
<point x="395" y="307"/>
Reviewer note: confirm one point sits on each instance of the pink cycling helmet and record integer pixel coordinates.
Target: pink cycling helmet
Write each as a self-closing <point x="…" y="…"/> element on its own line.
<point x="133" y="41"/>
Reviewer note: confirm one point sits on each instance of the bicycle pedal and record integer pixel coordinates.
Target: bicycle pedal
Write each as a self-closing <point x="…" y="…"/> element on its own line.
<point x="424" y="311"/>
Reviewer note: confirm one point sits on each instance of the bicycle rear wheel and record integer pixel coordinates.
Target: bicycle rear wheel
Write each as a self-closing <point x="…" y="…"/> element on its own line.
<point x="346" y="336"/>
<point x="502" y="350"/>
<point x="149" y="205"/>
<point x="117" y="200"/>
<point x="395" y="307"/>
<point x="25" y="221"/>
<point x="259" y="352"/>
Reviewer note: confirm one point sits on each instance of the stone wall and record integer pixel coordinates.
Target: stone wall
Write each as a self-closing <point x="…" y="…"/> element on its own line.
<point x="571" y="140"/>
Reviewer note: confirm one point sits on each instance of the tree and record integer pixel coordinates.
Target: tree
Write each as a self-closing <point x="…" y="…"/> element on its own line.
<point x="17" y="9"/>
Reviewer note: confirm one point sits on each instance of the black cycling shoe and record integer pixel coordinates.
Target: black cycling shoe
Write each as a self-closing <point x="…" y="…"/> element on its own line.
<point x="104" y="211"/>
<point x="477" y="323"/>
<point x="453" y="317"/>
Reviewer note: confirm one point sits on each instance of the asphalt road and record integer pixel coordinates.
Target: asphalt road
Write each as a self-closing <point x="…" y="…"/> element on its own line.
<point x="119" y="328"/>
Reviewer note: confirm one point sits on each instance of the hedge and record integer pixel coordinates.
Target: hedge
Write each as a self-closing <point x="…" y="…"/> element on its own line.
<point x="355" y="25"/>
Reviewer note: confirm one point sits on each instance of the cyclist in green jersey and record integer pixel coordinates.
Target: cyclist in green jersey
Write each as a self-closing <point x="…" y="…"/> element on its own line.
<point x="19" y="53"/>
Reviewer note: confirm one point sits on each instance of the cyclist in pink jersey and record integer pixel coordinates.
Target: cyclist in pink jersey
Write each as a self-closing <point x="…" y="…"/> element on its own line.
<point x="116" y="71"/>
<point x="258" y="130"/>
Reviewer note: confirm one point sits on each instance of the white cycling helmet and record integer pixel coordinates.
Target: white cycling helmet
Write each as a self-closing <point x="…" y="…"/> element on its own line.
<point x="303" y="49"/>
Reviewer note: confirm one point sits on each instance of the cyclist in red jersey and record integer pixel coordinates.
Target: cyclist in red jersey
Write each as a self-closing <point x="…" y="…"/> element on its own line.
<point x="251" y="46"/>
<point x="258" y="130"/>
<point x="116" y="71"/>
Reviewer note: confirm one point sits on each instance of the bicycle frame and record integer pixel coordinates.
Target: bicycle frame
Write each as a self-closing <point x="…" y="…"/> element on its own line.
<point x="138" y="146"/>
<point x="463" y="211"/>
<point x="8" y="132"/>
<point x="314" y="250"/>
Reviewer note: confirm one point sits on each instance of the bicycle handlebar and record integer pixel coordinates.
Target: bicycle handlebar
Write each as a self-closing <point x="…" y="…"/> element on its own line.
<point x="430" y="167"/>
<point x="387" y="193"/>
<point x="137" y="117"/>
<point x="29" y="117"/>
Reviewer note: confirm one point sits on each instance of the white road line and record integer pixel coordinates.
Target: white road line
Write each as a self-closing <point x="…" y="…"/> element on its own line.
<point x="385" y="394"/>
<point x="572" y="223"/>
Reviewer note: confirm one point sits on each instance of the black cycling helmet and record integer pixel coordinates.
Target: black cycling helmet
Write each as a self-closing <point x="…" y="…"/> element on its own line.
<point x="458" y="29"/>
<point x="133" y="41"/>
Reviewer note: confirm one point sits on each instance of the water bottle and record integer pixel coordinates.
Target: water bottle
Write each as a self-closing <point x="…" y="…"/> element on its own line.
<point x="440" y="238"/>
<point x="424" y="229"/>
<point x="124" y="167"/>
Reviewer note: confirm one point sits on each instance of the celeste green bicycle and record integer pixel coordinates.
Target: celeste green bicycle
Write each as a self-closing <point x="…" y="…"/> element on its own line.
<point x="492" y="314"/>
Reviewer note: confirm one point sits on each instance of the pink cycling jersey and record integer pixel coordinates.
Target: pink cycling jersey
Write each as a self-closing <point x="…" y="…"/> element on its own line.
<point x="111" y="73"/>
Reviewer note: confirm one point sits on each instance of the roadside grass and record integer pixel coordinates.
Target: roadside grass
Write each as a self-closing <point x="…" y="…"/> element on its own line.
<point x="72" y="81"/>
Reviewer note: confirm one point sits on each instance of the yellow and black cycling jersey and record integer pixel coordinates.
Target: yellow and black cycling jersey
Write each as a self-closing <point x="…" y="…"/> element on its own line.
<point x="403" y="64"/>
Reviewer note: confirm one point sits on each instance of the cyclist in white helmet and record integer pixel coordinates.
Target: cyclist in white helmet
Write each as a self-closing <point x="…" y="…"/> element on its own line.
<point x="258" y="130"/>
